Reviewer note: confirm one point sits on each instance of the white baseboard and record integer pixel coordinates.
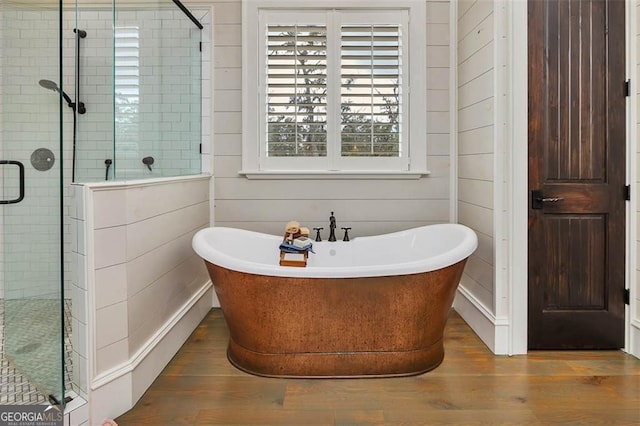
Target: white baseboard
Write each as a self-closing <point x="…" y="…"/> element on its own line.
<point x="634" y="338"/>
<point x="494" y="332"/>
<point x="76" y="412"/>
<point x="163" y="351"/>
<point x="110" y="400"/>
<point x="116" y="391"/>
<point x="215" y="303"/>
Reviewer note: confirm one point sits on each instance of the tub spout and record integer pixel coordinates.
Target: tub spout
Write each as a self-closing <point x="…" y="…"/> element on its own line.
<point x="332" y="227"/>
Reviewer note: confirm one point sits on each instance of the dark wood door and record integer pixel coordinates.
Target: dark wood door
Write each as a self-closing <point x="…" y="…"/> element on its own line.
<point x="576" y="173"/>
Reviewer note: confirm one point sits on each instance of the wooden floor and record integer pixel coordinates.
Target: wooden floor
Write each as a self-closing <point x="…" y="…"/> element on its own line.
<point x="471" y="386"/>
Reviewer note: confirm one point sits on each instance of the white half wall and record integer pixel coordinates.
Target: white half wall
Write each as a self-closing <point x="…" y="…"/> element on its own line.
<point x="144" y="288"/>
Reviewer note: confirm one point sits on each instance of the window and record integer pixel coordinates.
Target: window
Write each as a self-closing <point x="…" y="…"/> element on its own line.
<point x="127" y="90"/>
<point x="336" y="90"/>
<point x="296" y="90"/>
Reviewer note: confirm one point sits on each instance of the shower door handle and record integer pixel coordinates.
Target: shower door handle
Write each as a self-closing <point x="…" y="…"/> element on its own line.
<point x="21" y="171"/>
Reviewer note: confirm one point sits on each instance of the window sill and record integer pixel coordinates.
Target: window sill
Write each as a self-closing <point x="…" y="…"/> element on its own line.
<point x="326" y="174"/>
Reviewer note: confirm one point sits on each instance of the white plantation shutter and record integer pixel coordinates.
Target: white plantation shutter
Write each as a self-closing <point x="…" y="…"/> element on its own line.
<point x="333" y="92"/>
<point x="370" y="90"/>
<point x="127" y="88"/>
<point x="296" y="90"/>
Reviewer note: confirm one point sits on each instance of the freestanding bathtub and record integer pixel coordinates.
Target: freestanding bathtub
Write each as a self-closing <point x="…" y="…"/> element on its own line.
<point x="371" y="307"/>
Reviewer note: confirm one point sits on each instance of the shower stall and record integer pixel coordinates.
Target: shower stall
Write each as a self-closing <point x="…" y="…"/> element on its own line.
<point x="89" y="93"/>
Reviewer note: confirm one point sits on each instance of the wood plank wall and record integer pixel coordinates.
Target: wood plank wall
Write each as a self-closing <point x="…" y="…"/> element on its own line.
<point x="476" y="135"/>
<point x="368" y="206"/>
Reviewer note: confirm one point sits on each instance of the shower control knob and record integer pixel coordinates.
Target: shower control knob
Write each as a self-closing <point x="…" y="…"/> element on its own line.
<point x="148" y="161"/>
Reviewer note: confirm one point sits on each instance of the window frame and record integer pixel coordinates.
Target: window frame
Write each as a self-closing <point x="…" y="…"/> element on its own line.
<point x="412" y="165"/>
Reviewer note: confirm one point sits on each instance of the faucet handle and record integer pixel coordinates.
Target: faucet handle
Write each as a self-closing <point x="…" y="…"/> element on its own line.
<point x="318" y="237"/>
<point x="346" y="233"/>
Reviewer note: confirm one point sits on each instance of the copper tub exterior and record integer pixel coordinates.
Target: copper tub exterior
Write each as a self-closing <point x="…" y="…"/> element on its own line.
<point x="336" y="327"/>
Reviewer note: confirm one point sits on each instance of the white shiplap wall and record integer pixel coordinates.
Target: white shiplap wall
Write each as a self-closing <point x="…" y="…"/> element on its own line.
<point x="368" y="206"/>
<point x="476" y="141"/>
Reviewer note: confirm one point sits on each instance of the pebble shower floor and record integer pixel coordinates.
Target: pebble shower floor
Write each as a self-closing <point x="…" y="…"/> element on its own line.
<point x="14" y="386"/>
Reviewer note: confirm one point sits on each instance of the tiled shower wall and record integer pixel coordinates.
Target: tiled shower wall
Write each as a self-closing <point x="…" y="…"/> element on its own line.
<point x="30" y="119"/>
<point x="162" y="62"/>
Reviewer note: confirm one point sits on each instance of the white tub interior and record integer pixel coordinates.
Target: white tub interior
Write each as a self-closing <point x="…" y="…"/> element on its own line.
<point x="416" y="250"/>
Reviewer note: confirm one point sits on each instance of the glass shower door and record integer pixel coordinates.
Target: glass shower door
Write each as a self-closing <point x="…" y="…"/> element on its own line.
<point x="31" y="108"/>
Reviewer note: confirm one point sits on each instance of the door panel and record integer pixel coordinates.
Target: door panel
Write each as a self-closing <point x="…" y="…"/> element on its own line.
<point x="576" y="174"/>
<point x="580" y="257"/>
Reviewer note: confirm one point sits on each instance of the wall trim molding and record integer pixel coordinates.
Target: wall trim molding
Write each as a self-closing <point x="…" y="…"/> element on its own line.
<point x="501" y="149"/>
<point x="126" y="184"/>
<point x="633" y="346"/>
<point x="517" y="188"/>
<point x="632" y="314"/>
<point x="493" y="331"/>
<point x="453" y="111"/>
